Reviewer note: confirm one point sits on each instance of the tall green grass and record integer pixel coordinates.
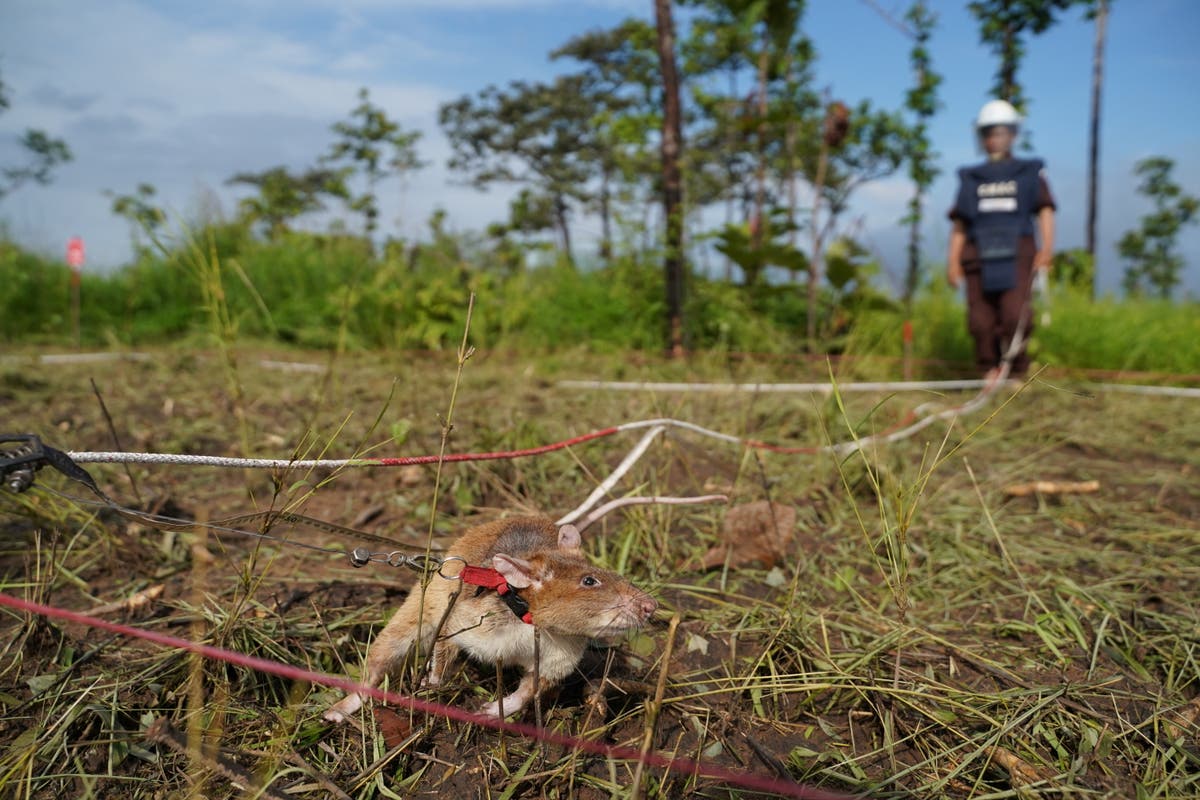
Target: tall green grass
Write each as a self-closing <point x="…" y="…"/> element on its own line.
<point x="1070" y="330"/>
<point x="319" y="291"/>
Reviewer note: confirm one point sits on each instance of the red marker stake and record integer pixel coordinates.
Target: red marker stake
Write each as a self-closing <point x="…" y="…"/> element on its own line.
<point x="75" y="262"/>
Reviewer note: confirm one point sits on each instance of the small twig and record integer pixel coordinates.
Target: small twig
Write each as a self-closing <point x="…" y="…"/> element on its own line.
<point x="612" y="505"/>
<point x="465" y="352"/>
<point x="161" y="731"/>
<point x="537" y="678"/>
<point x="1052" y="487"/>
<point x="112" y="429"/>
<point x="295" y="759"/>
<point x="639" y="791"/>
<point x="134" y="602"/>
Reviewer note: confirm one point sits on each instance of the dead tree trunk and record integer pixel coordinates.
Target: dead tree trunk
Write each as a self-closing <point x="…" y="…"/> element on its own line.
<point x="1094" y="131"/>
<point x="758" y="224"/>
<point x="672" y="180"/>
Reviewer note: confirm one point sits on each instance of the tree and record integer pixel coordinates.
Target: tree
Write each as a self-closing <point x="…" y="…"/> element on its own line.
<point x="283" y="195"/>
<point x="671" y="144"/>
<point x="45" y="153"/>
<point x="1151" y="250"/>
<point x="144" y="217"/>
<point x="1003" y="24"/>
<point x="376" y="145"/>
<point x="720" y="162"/>
<point x="851" y="147"/>
<point x="536" y="135"/>
<point x="764" y="35"/>
<point x="623" y="91"/>
<point x="921" y="100"/>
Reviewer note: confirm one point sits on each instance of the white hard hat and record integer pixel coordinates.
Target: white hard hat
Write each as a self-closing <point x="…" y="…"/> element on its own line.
<point x="997" y="112"/>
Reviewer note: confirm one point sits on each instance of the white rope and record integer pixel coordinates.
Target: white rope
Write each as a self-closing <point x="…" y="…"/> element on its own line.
<point x="621" y="502"/>
<point x="74" y="358"/>
<point x="846" y="388"/>
<point x="1159" y="391"/>
<point x="179" y="459"/>
<point x="825" y="388"/>
<point x="608" y="483"/>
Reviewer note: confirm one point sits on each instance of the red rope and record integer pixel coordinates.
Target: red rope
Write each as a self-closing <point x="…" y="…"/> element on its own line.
<point x="679" y="765"/>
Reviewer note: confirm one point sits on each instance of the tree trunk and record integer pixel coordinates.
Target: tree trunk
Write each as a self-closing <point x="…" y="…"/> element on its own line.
<point x="814" y="259"/>
<point x="758" y="224"/>
<point x="606" y="248"/>
<point x="912" y="276"/>
<point x="731" y="152"/>
<point x="1008" y="68"/>
<point x="790" y="176"/>
<point x="672" y="181"/>
<point x="1094" y="130"/>
<point x="564" y="228"/>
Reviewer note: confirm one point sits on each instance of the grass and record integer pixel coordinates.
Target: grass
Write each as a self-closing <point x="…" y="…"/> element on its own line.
<point x="332" y="293"/>
<point x="926" y="636"/>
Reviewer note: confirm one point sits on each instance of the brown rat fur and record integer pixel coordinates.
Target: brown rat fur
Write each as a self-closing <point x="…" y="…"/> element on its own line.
<point x="570" y="601"/>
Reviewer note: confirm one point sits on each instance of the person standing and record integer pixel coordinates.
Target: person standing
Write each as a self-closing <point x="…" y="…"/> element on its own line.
<point x="993" y="248"/>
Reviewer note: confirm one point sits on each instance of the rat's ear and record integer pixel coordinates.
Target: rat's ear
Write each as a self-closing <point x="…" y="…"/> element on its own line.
<point x="568" y="538"/>
<point x="517" y="571"/>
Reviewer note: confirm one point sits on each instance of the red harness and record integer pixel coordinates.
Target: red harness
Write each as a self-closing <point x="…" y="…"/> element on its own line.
<point x="488" y="578"/>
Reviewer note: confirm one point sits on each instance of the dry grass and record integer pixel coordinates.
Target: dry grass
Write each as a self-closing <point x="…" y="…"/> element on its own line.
<point x="928" y="637"/>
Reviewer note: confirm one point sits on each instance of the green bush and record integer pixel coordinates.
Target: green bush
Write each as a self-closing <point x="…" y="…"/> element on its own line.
<point x="327" y="291"/>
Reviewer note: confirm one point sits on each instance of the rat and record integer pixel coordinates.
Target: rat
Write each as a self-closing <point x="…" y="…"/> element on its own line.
<point x="569" y="601"/>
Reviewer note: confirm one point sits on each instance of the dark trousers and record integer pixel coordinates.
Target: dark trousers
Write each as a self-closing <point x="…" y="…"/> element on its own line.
<point x="993" y="317"/>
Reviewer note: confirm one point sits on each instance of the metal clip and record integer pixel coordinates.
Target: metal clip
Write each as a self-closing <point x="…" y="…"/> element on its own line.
<point x="422" y="563"/>
<point x="18" y="464"/>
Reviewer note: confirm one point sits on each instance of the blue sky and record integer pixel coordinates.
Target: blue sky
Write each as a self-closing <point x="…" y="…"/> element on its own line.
<point x="182" y="95"/>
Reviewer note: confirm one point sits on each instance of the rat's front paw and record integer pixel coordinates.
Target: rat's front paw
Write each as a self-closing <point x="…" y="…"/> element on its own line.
<point x="342" y="710"/>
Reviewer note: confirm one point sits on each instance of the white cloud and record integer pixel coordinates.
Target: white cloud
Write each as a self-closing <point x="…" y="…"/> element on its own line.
<point x="146" y="98"/>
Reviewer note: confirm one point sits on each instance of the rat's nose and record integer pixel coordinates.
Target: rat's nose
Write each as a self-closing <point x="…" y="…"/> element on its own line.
<point x="648" y="605"/>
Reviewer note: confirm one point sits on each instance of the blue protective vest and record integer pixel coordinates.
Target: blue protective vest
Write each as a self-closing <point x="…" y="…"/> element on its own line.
<point x="996" y="201"/>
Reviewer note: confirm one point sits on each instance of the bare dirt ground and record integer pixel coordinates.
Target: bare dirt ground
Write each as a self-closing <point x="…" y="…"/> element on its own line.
<point x="916" y="633"/>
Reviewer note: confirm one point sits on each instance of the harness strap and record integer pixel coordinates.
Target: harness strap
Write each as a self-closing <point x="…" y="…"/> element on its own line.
<point x="487" y="578"/>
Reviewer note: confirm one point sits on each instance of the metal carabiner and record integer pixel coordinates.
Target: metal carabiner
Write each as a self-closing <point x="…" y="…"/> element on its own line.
<point x="18" y="464"/>
<point x="456" y="576"/>
<point x="424" y="564"/>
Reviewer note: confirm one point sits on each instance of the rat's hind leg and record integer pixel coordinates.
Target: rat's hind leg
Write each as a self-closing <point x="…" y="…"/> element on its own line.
<point x="387" y="652"/>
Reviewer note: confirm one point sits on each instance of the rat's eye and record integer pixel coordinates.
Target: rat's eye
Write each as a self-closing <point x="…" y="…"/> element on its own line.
<point x="589" y="580"/>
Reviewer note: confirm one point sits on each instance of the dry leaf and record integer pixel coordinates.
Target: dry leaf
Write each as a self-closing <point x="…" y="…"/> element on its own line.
<point x="1183" y="721"/>
<point x="411" y="475"/>
<point x="395" y="728"/>
<point x="758" y="532"/>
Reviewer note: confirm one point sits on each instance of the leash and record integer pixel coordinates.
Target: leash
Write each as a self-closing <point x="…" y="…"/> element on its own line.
<point x="26" y="454"/>
<point x="23" y="455"/>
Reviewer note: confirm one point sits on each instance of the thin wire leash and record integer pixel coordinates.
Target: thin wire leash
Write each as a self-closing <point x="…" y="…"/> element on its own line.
<point x="26" y="454"/>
